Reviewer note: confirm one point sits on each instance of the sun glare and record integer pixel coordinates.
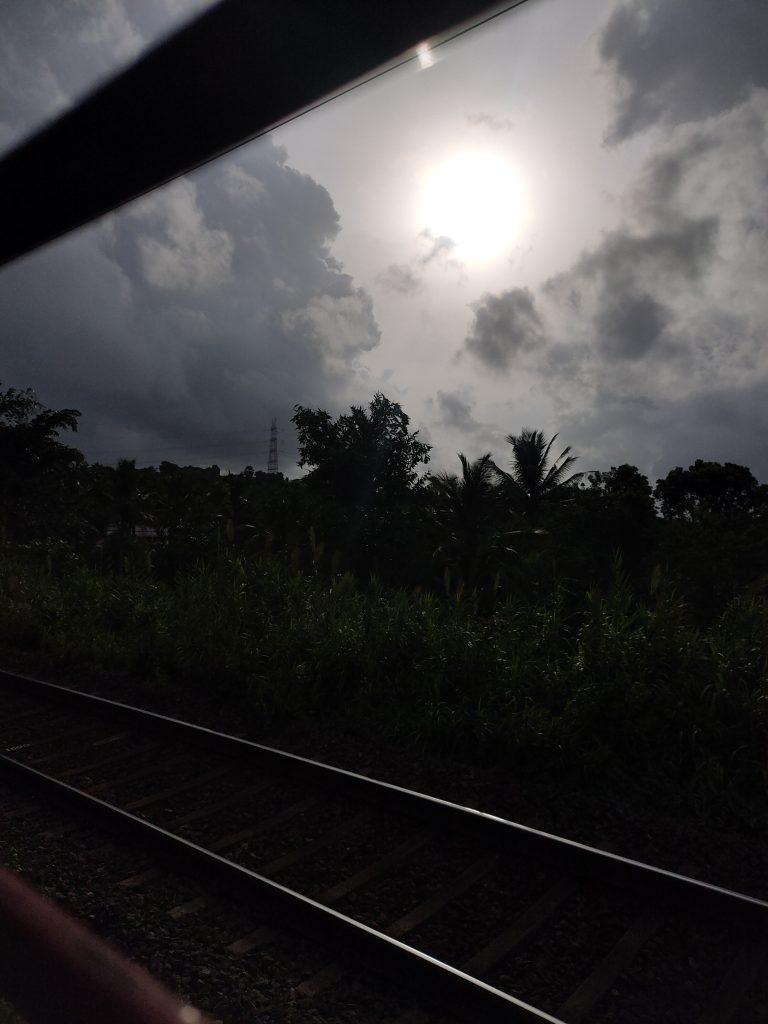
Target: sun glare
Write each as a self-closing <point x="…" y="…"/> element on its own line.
<point x="424" y="56"/>
<point x="474" y="199"/>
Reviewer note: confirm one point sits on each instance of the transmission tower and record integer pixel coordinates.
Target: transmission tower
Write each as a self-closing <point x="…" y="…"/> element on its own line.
<point x="272" y="457"/>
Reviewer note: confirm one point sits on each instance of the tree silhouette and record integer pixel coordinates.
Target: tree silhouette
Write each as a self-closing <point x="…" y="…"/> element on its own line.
<point x="363" y="457"/>
<point x="466" y="512"/>
<point x="533" y="479"/>
<point x="708" y="489"/>
<point x="37" y="471"/>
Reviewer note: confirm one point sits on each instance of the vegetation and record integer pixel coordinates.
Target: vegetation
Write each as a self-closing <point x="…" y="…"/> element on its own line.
<point x="533" y="480"/>
<point x="556" y="623"/>
<point x="37" y="471"/>
<point x="8" y="1015"/>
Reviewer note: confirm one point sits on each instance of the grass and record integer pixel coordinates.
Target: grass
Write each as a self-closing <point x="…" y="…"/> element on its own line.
<point x="622" y="693"/>
<point x="8" y="1015"/>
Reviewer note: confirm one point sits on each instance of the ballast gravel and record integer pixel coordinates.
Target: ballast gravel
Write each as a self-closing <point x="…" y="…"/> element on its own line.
<point x="583" y="932"/>
<point x="190" y="956"/>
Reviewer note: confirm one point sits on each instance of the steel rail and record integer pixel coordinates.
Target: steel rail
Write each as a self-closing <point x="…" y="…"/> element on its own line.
<point x="668" y="888"/>
<point x="375" y="950"/>
<point x="236" y="71"/>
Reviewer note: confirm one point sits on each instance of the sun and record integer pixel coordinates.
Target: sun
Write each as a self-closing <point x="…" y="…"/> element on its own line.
<point x="474" y="198"/>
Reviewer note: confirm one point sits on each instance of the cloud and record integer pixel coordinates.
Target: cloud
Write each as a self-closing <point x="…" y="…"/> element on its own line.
<point x="616" y="284"/>
<point x="630" y="325"/>
<point x="659" y="331"/>
<point x="722" y="424"/>
<point x="627" y="290"/>
<point x="503" y="326"/>
<point x="405" y="278"/>
<point x="29" y="91"/>
<point x="656" y="333"/>
<point x="439" y="248"/>
<point x="177" y="250"/>
<point x="456" y="411"/>
<point x="682" y="61"/>
<point x="109" y="26"/>
<point x="681" y="249"/>
<point x="492" y="121"/>
<point x="182" y="324"/>
<point x="53" y="53"/>
<point x="399" y="277"/>
<point x="453" y="411"/>
<point x="243" y="187"/>
<point x="343" y="325"/>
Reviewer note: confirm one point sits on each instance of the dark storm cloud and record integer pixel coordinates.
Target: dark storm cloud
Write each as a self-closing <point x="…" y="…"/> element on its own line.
<point x="455" y="411"/>
<point x="629" y="326"/>
<point x="502" y="327"/>
<point x="683" y="60"/>
<point x="682" y="249"/>
<point x="622" y="286"/>
<point x="657" y="196"/>
<point x="183" y="324"/>
<point x="399" y="277"/>
<point x="726" y="424"/>
<point x="616" y="283"/>
<point x="721" y="424"/>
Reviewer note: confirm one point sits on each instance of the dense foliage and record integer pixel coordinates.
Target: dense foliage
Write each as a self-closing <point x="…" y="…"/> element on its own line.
<point x="524" y="614"/>
<point x="38" y="482"/>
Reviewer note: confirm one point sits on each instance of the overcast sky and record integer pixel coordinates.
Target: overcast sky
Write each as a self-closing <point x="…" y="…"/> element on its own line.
<point x="561" y="223"/>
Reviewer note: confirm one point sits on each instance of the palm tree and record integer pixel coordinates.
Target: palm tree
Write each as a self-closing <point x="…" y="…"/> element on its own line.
<point x="533" y="479"/>
<point x="465" y="509"/>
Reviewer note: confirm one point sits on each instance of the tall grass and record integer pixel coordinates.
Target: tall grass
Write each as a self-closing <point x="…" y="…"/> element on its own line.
<point x="608" y="689"/>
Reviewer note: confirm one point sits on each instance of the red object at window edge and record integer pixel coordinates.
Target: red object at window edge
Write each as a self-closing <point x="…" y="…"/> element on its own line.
<point x="52" y="968"/>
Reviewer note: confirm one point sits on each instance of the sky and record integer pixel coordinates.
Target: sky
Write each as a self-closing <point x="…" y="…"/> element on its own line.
<point x="559" y="221"/>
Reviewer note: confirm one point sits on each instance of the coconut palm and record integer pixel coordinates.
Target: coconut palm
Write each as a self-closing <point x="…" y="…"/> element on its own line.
<point x="466" y="509"/>
<point x="533" y="479"/>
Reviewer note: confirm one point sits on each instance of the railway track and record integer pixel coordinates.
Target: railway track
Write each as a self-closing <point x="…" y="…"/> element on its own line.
<point x="480" y="917"/>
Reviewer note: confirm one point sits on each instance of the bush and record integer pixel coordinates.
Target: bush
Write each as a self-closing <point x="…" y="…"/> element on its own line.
<point x="613" y="690"/>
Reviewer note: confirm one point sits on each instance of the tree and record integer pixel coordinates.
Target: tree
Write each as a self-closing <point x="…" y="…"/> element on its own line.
<point x="364" y="457"/>
<point x="708" y="489"/>
<point x="714" y="532"/>
<point x="614" y="513"/>
<point x="626" y="492"/>
<point x="362" y="491"/>
<point x="37" y="471"/>
<point x="533" y="479"/>
<point x="466" y="513"/>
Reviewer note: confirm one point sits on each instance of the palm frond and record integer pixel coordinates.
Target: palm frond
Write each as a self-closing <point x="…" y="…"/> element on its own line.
<point x="534" y="476"/>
